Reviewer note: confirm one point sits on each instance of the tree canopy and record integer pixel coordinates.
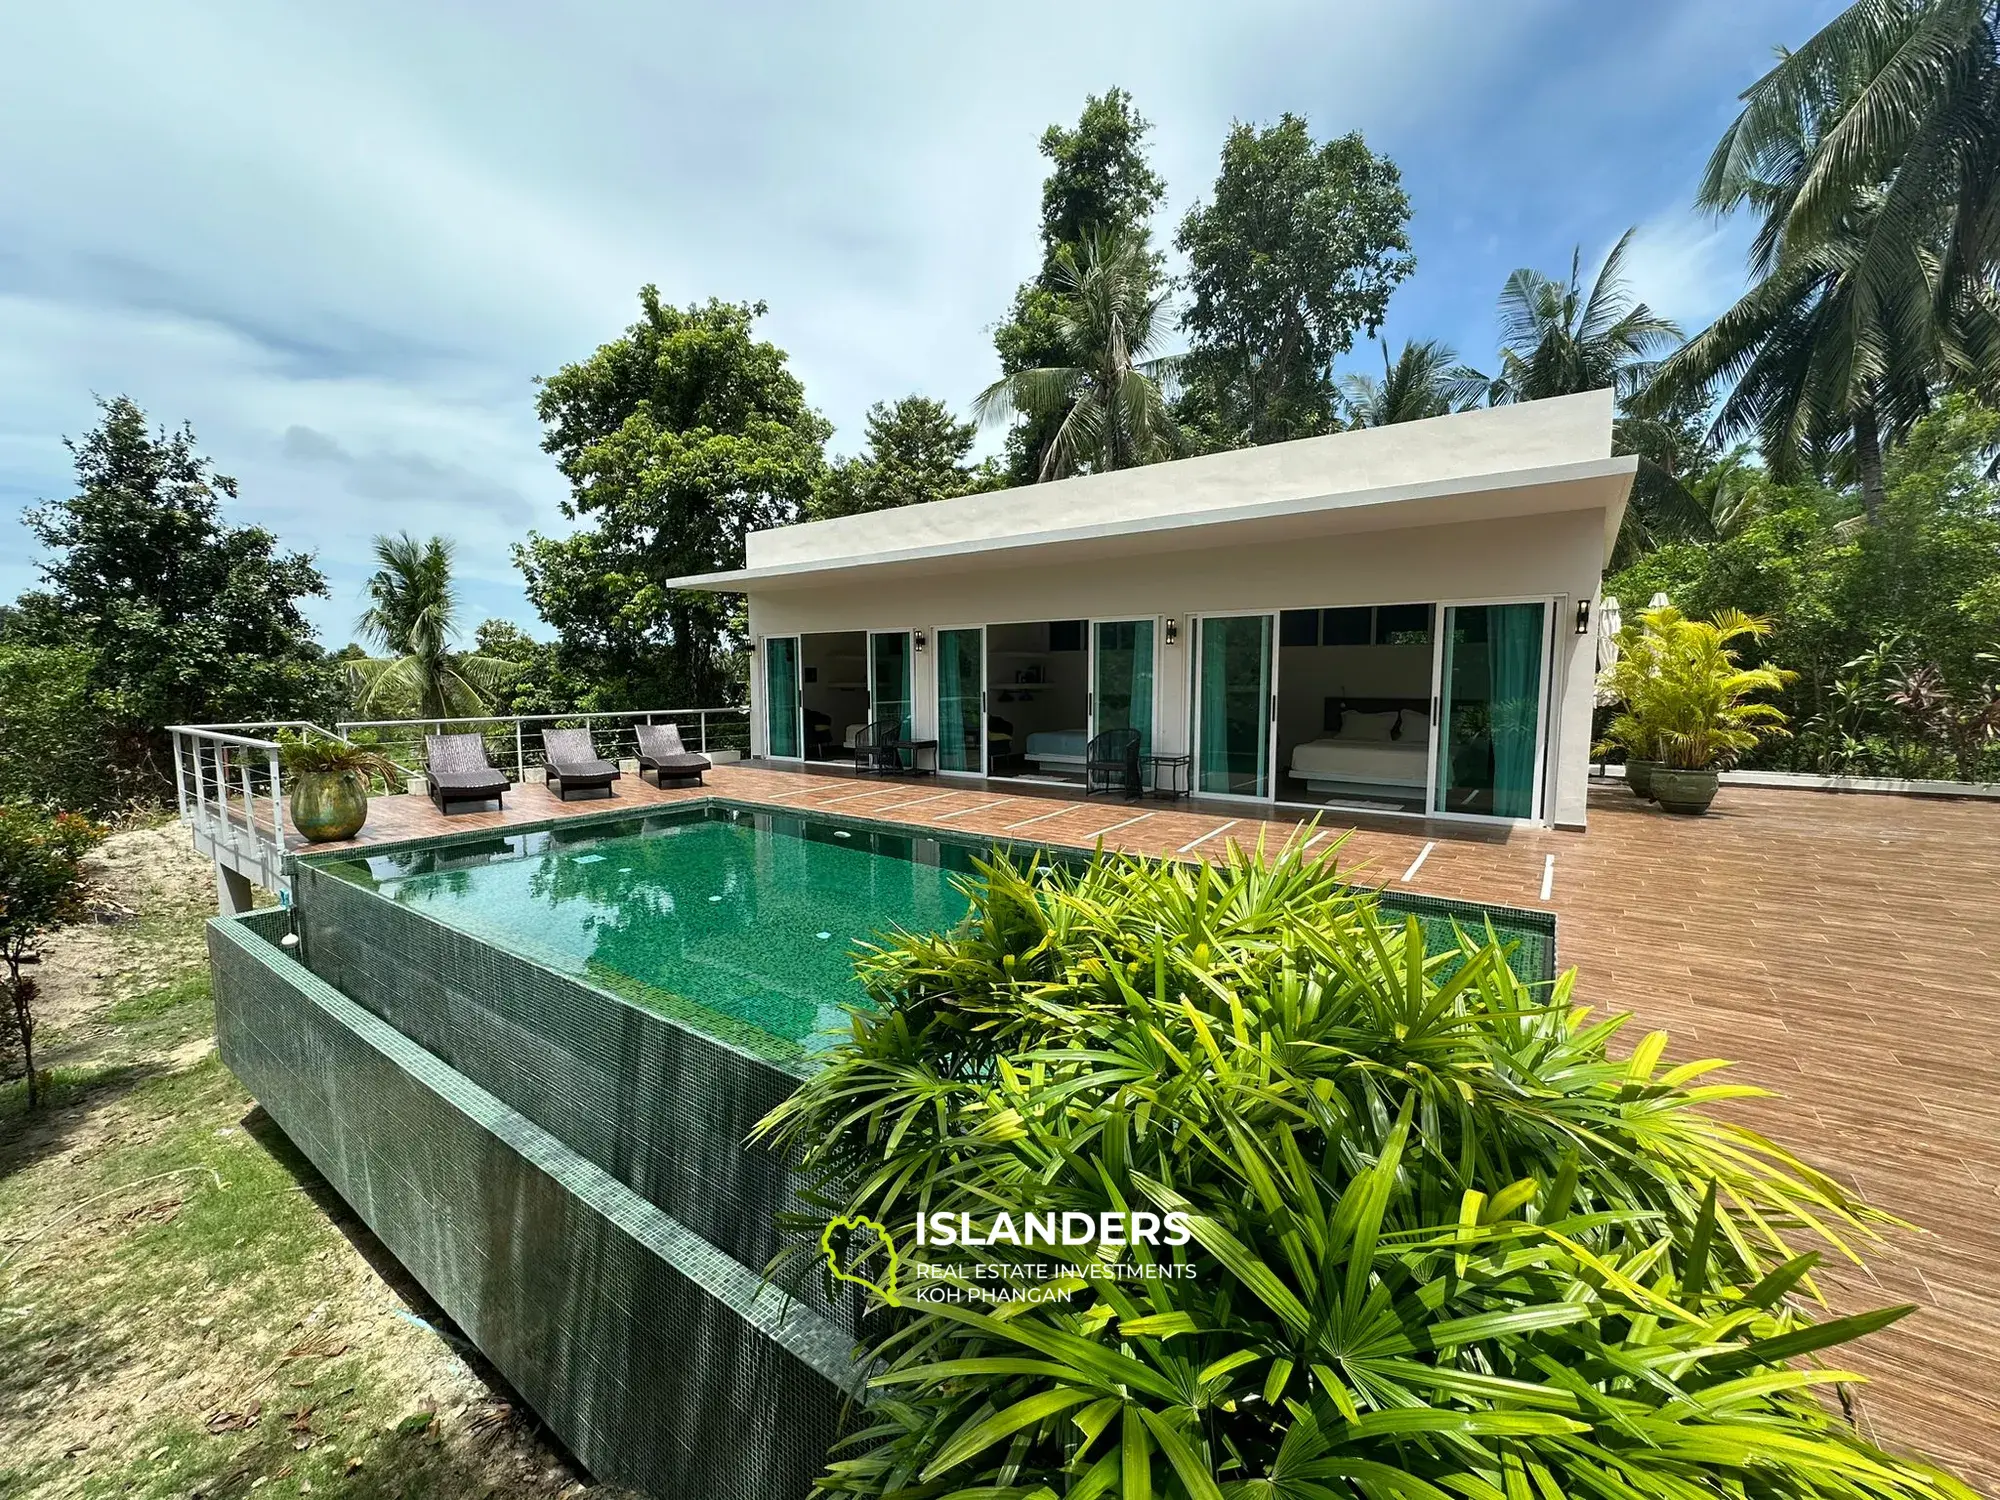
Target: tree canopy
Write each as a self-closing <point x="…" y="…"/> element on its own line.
<point x="916" y="451"/>
<point x="677" y="439"/>
<point x="1298" y="249"/>
<point x="1099" y="179"/>
<point x="184" y="618"/>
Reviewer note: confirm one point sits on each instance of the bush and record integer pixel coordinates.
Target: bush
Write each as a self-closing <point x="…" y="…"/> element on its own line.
<point x="41" y="887"/>
<point x="1441" y="1244"/>
<point x="58" y="740"/>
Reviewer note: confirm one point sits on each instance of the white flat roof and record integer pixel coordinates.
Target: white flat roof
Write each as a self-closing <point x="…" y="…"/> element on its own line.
<point x="1498" y="462"/>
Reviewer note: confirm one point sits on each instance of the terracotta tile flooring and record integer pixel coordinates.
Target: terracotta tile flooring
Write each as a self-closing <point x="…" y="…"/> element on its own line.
<point x="1845" y="950"/>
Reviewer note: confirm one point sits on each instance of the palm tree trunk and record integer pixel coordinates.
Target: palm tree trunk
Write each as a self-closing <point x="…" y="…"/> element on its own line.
<point x="1868" y="461"/>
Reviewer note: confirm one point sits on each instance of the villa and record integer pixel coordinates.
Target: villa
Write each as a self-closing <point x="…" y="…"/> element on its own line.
<point x="1394" y="619"/>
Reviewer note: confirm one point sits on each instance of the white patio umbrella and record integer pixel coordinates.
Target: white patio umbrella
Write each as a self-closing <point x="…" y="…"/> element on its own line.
<point x="1610" y="620"/>
<point x="1659" y="600"/>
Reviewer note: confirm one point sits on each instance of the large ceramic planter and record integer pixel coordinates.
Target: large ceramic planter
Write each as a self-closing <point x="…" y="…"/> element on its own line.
<point x="1639" y="777"/>
<point x="329" y="805"/>
<point x="1687" y="792"/>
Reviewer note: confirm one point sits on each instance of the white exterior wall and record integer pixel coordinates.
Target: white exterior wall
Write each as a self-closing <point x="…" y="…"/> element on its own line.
<point x="1558" y="554"/>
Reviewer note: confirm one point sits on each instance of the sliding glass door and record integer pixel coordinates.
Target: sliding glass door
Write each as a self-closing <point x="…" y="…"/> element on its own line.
<point x="889" y="695"/>
<point x="1233" y="706"/>
<point x="1491" y="689"/>
<point x="1121" y="678"/>
<point x="961" y="682"/>
<point x="781" y="697"/>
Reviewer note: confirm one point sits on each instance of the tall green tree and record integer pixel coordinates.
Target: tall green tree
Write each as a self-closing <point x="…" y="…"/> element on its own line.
<point x="1904" y="98"/>
<point x="1298" y="249"/>
<point x="1559" y="338"/>
<point x="1424" y="380"/>
<point x="412" y="616"/>
<point x="1099" y="179"/>
<point x="677" y="439"/>
<point x="1103" y="398"/>
<point x="917" y="451"/>
<point x="1854" y="317"/>
<point x="186" y="618"/>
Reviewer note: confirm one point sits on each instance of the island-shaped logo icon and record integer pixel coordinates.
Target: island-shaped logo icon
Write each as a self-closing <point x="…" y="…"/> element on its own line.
<point x="868" y="1245"/>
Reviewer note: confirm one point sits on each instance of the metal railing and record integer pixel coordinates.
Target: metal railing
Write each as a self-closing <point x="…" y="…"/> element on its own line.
<point x="514" y="742"/>
<point x="230" y="786"/>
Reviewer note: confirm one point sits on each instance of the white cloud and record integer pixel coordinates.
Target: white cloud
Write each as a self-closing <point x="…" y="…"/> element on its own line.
<point x="376" y="223"/>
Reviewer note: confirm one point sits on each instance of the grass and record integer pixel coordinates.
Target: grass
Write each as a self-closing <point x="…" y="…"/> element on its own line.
<point x="186" y="1310"/>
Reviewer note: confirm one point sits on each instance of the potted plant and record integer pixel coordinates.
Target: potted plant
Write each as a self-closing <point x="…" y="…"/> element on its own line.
<point x="329" y="784"/>
<point x="1697" y="702"/>
<point x="1627" y="681"/>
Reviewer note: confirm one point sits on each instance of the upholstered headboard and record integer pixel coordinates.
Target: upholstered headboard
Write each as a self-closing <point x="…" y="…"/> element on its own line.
<point x="1335" y="707"/>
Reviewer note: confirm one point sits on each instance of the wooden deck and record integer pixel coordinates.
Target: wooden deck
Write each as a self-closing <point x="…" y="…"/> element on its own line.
<point x="1844" y="949"/>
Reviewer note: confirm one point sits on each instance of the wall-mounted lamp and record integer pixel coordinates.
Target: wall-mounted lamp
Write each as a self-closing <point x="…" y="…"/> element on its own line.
<point x="1583" y="617"/>
<point x="922" y="640"/>
<point x="1173" y="631"/>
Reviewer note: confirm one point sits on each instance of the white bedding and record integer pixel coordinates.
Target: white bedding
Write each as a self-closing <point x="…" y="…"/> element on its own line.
<point x="1056" y="744"/>
<point x="1362" y="762"/>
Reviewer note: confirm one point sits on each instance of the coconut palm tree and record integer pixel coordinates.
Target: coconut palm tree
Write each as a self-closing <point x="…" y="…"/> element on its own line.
<point x="413" y="617"/>
<point x="1556" y="339"/>
<point x="1904" y="96"/>
<point x="1837" y="345"/>
<point x="1425" y="380"/>
<point x="1109" y="315"/>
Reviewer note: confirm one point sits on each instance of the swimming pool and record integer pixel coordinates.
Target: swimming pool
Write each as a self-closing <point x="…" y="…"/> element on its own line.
<point x="731" y="915"/>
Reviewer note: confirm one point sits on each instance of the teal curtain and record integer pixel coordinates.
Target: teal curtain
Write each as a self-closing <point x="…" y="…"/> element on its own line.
<point x="1235" y="705"/>
<point x="1514" y="671"/>
<point x="781" y="694"/>
<point x="960" y="679"/>
<point x="1124" y="678"/>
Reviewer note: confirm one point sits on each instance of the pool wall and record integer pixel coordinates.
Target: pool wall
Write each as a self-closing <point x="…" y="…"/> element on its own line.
<point x="663" y="1107"/>
<point x="658" y="1359"/>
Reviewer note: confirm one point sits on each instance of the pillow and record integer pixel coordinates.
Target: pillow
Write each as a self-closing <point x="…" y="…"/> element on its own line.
<point x="1375" y="728"/>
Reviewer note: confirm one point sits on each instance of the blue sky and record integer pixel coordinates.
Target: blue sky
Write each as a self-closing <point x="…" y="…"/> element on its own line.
<point x="342" y="241"/>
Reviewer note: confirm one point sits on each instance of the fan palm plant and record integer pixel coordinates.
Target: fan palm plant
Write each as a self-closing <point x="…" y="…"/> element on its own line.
<point x="1107" y="401"/>
<point x="1424" y="380"/>
<point x="413" y="616"/>
<point x="1439" y="1242"/>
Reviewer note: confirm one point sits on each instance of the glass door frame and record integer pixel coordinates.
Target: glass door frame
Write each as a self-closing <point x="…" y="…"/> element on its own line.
<point x="909" y="635"/>
<point x="1544" y="702"/>
<point x="936" y="654"/>
<point x="1269" y="797"/>
<point x="797" y="638"/>
<point x="1090" y="673"/>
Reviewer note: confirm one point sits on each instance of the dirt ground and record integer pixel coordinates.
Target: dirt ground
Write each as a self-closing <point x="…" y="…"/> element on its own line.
<point x="185" y="1308"/>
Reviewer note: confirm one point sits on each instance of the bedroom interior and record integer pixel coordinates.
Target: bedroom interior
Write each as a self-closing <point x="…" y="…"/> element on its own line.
<point x="1354" y="702"/>
<point x="1038" y="699"/>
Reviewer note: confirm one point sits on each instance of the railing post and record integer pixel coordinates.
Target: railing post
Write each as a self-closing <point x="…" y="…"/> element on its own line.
<point x="249" y="803"/>
<point x="180" y="780"/>
<point x="704" y="731"/>
<point x="520" y="753"/>
<point x="278" y="814"/>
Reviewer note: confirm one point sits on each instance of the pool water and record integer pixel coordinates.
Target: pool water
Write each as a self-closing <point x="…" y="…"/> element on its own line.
<point x="730" y="915"/>
<point x="753" y="915"/>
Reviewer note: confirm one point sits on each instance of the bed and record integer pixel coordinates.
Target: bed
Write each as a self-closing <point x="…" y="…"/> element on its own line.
<point x="1370" y="742"/>
<point x="1056" y="749"/>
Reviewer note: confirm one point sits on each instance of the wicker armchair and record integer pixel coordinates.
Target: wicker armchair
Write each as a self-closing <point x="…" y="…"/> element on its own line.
<point x="879" y="747"/>
<point x="1111" y="763"/>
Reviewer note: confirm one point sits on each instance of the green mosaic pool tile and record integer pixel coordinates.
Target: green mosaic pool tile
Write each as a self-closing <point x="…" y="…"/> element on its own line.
<point x="658" y="1359"/>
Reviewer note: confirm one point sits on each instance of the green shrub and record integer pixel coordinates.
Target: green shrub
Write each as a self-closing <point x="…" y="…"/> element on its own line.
<point x="1442" y="1243"/>
<point x="59" y="742"/>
